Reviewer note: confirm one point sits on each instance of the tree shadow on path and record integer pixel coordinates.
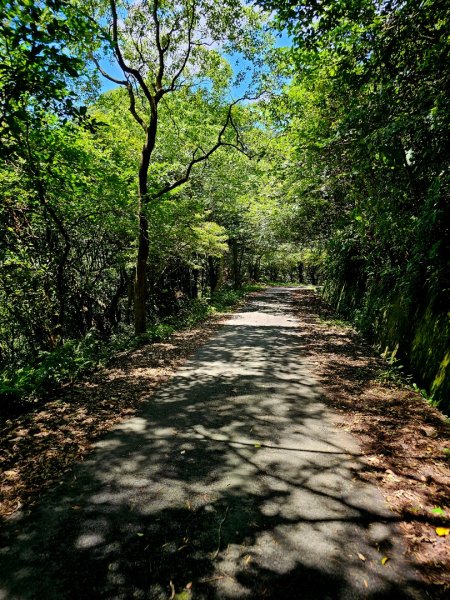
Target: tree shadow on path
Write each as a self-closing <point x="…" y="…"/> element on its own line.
<point x="233" y="482"/>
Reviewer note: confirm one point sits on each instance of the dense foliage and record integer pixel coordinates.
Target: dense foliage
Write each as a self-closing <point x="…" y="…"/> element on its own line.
<point x="216" y="159"/>
<point x="71" y="183"/>
<point x="371" y="126"/>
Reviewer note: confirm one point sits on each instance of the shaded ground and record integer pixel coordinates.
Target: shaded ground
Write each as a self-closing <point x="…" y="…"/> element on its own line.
<point x="233" y="481"/>
<point x="407" y="442"/>
<point x="38" y="447"/>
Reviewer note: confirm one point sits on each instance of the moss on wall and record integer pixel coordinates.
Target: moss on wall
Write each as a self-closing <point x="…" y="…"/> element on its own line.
<point x="413" y="331"/>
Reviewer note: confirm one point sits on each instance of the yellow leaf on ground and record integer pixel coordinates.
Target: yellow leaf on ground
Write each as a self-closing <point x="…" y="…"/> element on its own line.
<point x="384" y="560"/>
<point x="442" y="531"/>
<point x="257" y="445"/>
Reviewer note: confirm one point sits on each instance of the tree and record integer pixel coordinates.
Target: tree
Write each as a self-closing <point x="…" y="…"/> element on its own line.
<point x="163" y="48"/>
<point x="67" y="226"/>
<point x="43" y="47"/>
<point x="376" y="164"/>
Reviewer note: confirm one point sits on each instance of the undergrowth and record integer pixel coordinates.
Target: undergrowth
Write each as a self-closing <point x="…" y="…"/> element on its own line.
<point x="396" y="375"/>
<point x="25" y="386"/>
<point x="339" y="323"/>
<point x="393" y="373"/>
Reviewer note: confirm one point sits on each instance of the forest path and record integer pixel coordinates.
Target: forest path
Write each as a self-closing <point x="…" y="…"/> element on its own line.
<point x="233" y="482"/>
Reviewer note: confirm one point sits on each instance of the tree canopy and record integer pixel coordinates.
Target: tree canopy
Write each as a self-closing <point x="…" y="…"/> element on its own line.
<point x="217" y="158"/>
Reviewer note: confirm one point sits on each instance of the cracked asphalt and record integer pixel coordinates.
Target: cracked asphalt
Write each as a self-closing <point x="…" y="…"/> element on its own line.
<point x="233" y="482"/>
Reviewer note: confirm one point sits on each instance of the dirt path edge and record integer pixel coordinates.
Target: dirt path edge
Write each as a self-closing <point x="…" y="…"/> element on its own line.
<point x="405" y="440"/>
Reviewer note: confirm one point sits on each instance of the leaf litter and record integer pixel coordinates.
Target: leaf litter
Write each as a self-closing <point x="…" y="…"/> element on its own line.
<point x="404" y="439"/>
<point x="38" y="447"/>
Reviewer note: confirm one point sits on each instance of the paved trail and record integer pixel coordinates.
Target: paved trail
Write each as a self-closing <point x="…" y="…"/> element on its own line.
<point x="234" y="481"/>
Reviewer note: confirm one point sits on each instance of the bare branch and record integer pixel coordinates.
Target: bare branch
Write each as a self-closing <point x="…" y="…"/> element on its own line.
<point x="106" y="75"/>
<point x="128" y="85"/>
<point x="239" y="149"/>
<point x="161" y="65"/>
<point x="188" y="51"/>
<point x="138" y="49"/>
<point x="239" y="141"/>
<point x="123" y="65"/>
<point x="132" y="107"/>
<point x="203" y="157"/>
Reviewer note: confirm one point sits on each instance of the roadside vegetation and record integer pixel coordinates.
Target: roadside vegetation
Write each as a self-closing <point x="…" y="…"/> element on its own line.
<point x="157" y="158"/>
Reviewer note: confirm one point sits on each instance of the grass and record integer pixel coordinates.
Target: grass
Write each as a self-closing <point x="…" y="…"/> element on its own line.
<point x="394" y="374"/>
<point x="340" y="323"/>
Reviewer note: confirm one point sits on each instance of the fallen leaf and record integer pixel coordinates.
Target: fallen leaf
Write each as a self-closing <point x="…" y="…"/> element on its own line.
<point x="257" y="445"/>
<point x="361" y="556"/>
<point x="247" y="559"/>
<point x="384" y="560"/>
<point x="442" y="531"/>
<point x="437" y="510"/>
<point x="140" y="534"/>
<point x="365" y="583"/>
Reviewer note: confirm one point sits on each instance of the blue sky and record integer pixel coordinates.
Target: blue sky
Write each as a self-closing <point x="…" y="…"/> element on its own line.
<point x="282" y="40"/>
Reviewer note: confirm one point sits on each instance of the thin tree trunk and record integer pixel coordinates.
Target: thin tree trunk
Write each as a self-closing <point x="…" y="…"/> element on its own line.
<point x="213" y="273"/>
<point x="235" y="263"/>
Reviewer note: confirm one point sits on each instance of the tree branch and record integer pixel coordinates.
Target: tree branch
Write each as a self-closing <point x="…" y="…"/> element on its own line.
<point x="132" y="107"/>
<point x="160" y="74"/>
<point x="123" y="65"/>
<point x="188" y="51"/>
<point x="106" y="75"/>
<point x="196" y="160"/>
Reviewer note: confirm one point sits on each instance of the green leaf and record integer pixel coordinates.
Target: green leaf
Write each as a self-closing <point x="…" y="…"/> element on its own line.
<point x="438" y="511"/>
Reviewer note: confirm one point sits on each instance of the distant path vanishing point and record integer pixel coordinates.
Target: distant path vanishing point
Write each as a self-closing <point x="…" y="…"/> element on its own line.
<point x="234" y="482"/>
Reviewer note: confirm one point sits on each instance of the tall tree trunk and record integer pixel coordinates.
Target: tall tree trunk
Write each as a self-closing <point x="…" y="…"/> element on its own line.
<point x="112" y="312"/>
<point x="140" y="284"/>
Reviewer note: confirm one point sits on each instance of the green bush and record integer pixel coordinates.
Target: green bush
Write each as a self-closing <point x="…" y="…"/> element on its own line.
<point x="226" y="298"/>
<point x="76" y="357"/>
<point x="65" y="363"/>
